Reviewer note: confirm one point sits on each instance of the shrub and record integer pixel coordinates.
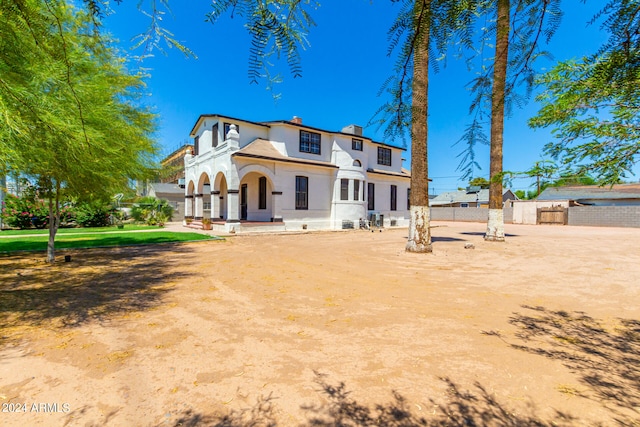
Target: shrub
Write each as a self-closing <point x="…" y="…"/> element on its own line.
<point x="67" y="216"/>
<point x="94" y="214"/>
<point x="152" y="211"/>
<point x="24" y="212"/>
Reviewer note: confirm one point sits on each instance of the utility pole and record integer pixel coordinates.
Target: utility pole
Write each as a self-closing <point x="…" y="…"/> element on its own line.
<point x="538" y="178"/>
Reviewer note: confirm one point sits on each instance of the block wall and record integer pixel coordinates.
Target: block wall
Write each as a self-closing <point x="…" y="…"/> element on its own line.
<point x="605" y="216"/>
<point x="467" y="214"/>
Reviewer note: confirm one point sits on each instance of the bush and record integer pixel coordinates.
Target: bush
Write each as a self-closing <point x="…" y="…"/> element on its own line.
<point x="93" y="214"/>
<point x="152" y="211"/>
<point x="67" y="216"/>
<point x="25" y="212"/>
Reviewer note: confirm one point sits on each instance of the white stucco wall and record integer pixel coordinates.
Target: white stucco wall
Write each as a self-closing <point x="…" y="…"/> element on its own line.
<point x="318" y="214"/>
<point x="383" y="198"/>
<point x="325" y="210"/>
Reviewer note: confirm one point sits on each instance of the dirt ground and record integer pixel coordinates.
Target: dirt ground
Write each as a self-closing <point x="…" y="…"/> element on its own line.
<point x="328" y="329"/>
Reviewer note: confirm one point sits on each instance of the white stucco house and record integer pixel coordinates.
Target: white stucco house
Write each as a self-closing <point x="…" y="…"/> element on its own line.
<point x="291" y="176"/>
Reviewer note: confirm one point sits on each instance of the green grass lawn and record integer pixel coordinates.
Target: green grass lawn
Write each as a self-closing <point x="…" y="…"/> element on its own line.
<point x="80" y="230"/>
<point x="74" y="240"/>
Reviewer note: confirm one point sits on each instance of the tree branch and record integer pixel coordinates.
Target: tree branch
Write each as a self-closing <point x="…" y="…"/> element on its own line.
<point x="68" y="73"/>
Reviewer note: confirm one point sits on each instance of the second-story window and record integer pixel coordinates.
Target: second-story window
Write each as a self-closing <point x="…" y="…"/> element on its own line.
<point x="309" y="142"/>
<point x="214" y="136"/>
<point x="356" y="144"/>
<point x="196" y="145"/>
<point x="227" y="127"/>
<point x="384" y="156"/>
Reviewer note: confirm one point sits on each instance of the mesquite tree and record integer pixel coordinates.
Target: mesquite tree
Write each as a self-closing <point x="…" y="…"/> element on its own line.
<point x="69" y="106"/>
<point x="593" y="104"/>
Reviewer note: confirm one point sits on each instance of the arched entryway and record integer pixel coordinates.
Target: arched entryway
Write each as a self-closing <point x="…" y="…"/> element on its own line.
<point x="202" y="198"/>
<point x="189" y="201"/>
<point x="256" y="198"/>
<point x="219" y="197"/>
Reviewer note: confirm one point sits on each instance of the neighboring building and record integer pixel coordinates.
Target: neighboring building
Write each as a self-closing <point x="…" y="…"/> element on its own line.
<point x="617" y="206"/>
<point x="172" y="172"/>
<point x="292" y="174"/>
<point x="472" y="197"/>
<point x="592" y="195"/>
<point x="173" y="166"/>
<point x="173" y="193"/>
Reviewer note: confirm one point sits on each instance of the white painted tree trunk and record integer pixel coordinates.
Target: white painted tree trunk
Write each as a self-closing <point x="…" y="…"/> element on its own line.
<point x="419" y="231"/>
<point x="495" y="226"/>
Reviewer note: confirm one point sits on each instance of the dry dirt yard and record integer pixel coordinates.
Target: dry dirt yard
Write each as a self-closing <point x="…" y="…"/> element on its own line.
<point x="328" y="329"/>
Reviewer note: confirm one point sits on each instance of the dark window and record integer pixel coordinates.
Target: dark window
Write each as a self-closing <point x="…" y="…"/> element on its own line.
<point x="356" y="144"/>
<point x="243" y="202"/>
<point x="302" y="192"/>
<point x="356" y="190"/>
<point x="309" y="142"/>
<point x="371" y="192"/>
<point x="214" y="136"/>
<point x="408" y="198"/>
<point x="394" y="197"/>
<point x="384" y="156"/>
<point x="262" y="198"/>
<point x="196" y="145"/>
<point x="344" y="189"/>
<point x="227" y="127"/>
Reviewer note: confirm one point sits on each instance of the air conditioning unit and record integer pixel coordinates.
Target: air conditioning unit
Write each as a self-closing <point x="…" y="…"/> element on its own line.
<point x="353" y="129"/>
<point x="376" y="219"/>
<point x="347" y="225"/>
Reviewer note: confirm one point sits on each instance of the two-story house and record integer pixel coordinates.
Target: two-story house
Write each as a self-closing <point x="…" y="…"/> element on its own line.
<point x="285" y="172"/>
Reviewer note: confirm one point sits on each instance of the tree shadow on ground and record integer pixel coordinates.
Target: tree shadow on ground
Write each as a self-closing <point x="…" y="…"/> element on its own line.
<point x="605" y="355"/>
<point x="446" y="239"/>
<point x="260" y="415"/>
<point x="462" y="408"/>
<point x="96" y="285"/>
<point x="339" y="409"/>
<point x="482" y="233"/>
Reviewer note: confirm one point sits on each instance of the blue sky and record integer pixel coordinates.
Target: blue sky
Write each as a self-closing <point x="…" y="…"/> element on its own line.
<point x="343" y="70"/>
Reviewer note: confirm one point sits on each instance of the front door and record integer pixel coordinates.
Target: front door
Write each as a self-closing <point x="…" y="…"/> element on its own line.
<point x="243" y="202"/>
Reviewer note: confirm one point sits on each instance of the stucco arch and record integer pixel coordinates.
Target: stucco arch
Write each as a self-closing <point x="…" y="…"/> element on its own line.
<point x="259" y="169"/>
<point x="219" y="196"/>
<point x="203" y="179"/>
<point x="219" y="181"/>
<point x="189" y="206"/>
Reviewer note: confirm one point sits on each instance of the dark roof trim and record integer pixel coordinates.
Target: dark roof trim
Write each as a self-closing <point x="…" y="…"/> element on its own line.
<point x="287" y="122"/>
<point x="290" y="160"/>
<point x="381" y="172"/>
<point x="209" y="116"/>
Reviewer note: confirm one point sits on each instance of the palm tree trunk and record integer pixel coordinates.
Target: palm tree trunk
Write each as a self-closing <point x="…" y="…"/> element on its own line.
<point x="419" y="222"/>
<point x="495" y="223"/>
